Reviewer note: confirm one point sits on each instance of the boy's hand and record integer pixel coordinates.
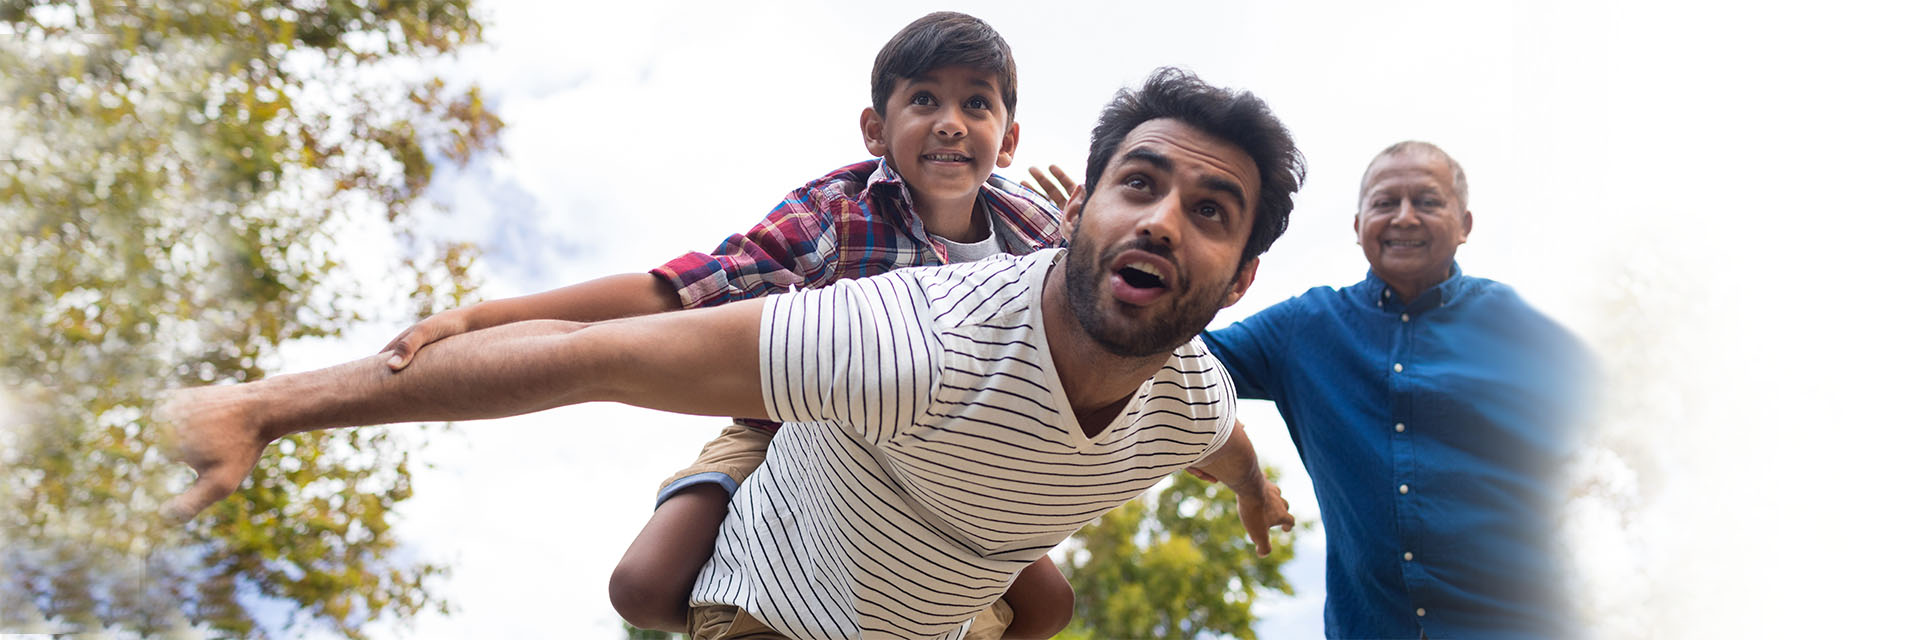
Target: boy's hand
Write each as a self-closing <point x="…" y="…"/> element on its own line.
<point x="1262" y="510"/>
<point x="1058" y="193"/>
<point x="433" y="329"/>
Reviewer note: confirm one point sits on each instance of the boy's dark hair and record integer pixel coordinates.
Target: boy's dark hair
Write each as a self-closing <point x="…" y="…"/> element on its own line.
<point x="1239" y="118"/>
<point x="942" y="39"/>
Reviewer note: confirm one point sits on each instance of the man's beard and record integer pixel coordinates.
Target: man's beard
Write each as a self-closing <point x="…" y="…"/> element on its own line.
<point x="1190" y="313"/>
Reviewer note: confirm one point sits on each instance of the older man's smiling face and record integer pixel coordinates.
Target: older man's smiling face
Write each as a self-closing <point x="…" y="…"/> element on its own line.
<point x="1411" y="221"/>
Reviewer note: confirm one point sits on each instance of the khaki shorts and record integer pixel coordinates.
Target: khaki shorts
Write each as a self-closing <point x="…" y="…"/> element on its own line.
<point x="726" y="461"/>
<point x="727" y="622"/>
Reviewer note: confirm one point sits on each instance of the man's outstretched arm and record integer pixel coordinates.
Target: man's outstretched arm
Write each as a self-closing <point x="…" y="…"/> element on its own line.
<point x="1261" y="507"/>
<point x="703" y="361"/>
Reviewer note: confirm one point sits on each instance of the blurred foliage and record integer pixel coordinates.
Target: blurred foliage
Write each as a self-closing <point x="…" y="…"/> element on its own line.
<point x="1171" y="564"/>
<point x="181" y="185"/>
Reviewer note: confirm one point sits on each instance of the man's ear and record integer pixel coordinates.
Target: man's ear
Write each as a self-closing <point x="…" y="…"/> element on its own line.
<point x="1241" y="282"/>
<point x="1070" y="214"/>
<point x="1466" y="225"/>
<point x="1007" y="144"/>
<point x="873" y="129"/>
<point x="1356" y="228"/>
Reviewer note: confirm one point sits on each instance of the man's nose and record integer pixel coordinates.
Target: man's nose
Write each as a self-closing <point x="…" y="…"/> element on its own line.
<point x="1404" y="215"/>
<point x="1162" y="220"/>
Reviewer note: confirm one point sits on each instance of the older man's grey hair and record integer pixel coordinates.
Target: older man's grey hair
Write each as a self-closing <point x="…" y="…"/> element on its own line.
<point x="1409" y="147"/>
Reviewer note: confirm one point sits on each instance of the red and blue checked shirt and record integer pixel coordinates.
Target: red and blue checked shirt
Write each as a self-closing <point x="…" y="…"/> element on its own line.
<point x="854" y="222"/>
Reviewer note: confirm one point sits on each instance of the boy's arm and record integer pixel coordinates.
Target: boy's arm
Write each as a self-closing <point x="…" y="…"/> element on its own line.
<point x="698" y="362"/>
<point x="783" y="250"/>
<point x="609" y="298"/>
<point x="1261" y="507"/>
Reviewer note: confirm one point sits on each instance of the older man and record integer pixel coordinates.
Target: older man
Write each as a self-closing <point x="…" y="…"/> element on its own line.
<point x="1431" y="409"/>
<point x="950" y="424"/>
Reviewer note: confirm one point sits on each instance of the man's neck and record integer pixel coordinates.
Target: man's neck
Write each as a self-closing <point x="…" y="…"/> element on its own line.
<point x="1097" y="382"/>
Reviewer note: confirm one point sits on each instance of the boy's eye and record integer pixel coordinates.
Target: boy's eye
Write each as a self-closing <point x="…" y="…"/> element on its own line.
<point x="921" y="99"/>
<point x="977" y="102"/>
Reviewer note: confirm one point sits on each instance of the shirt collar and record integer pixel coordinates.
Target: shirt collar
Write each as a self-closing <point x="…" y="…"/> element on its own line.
<point x="1375" y="290"/>
<point x="1034" y="220"/>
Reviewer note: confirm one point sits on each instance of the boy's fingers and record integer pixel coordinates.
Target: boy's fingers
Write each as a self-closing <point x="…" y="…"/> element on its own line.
<point x="1047" y="187"/>
<point x="1066" y="182"/>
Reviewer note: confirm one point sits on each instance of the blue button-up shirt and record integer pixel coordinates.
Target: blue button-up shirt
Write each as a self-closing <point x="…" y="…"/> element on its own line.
<point x="1432" y="428"/>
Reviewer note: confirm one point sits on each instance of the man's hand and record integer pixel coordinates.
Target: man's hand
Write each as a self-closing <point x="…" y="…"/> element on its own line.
<point x="1058" y="193"/>
<point x="207" y="429"/>
<point x="1261" y="510"/>
<point x="433" y="329"/>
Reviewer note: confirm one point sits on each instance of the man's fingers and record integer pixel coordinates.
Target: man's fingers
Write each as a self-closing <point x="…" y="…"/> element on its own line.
<point x="1262" y="541"/>
<point x="209" y="488"/>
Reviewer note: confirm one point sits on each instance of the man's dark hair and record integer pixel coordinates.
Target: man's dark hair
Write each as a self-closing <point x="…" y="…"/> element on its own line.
<point x="1239" y="118"/>
<point x="943" y="39"/>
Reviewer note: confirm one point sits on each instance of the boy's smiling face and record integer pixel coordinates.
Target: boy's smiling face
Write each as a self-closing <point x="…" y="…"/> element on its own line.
<point x="944" y="132"/>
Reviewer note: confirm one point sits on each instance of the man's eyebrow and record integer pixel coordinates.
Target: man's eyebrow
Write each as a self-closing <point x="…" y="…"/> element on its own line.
<point x="1231" y="188"/>
<point x="1148" y="156"/>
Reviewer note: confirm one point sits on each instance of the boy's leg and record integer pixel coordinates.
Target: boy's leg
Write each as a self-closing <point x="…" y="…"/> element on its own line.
<point x="726" y="622"/>
<point x="1039" y="603"/>
<point x="651" y="585"/>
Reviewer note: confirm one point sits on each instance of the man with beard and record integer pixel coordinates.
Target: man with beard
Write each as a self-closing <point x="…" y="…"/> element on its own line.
<point x="947" y="425"/>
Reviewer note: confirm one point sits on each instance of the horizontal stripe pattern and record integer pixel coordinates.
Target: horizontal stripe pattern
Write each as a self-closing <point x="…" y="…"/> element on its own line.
<point x="930" y="453"/>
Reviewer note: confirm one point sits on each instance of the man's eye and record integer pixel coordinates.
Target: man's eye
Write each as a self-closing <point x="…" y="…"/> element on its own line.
<point x="1430" y="204"/>
<point x="1382" y="204"/>
<point x="1136" y="182"/>
<point x="1209" y="211"/>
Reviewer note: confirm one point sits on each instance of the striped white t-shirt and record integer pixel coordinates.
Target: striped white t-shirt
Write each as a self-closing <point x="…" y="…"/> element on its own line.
<point x="930" y="453"/>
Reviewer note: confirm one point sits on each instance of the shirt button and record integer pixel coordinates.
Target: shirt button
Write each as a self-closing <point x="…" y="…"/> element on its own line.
<point x="1399" y="427"/>
<point x="1397" y="368"/>
<point x="1408" y="556"/>
<point x="1422" y="612"/>
<point x="1403" y="489"/>
<point x="1404" y="317"/>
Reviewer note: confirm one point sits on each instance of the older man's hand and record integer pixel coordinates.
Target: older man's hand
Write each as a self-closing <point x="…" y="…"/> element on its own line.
<point x="208" y="429"/>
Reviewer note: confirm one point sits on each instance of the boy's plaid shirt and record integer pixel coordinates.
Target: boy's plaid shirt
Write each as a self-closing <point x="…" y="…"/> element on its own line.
<point x="856" y="221"/>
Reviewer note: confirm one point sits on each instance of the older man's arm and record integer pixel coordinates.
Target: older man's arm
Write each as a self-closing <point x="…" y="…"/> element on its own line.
<point x="702" y="361"/>
<point x="1261" y="507"/>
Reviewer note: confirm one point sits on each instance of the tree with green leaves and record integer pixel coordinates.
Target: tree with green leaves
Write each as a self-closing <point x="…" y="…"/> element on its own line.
<point x="186" y="187"/>
<point x="1171" y="564"/>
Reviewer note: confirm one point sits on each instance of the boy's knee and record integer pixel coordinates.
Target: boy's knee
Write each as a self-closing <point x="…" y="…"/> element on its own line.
<point x="643" y="600"/>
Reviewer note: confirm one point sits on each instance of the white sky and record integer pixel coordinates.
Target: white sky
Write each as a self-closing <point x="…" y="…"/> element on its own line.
<point x="1727" y="161"/>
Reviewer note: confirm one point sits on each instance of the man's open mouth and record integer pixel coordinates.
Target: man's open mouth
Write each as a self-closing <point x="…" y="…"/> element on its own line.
<point x="1141" y="275"/>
